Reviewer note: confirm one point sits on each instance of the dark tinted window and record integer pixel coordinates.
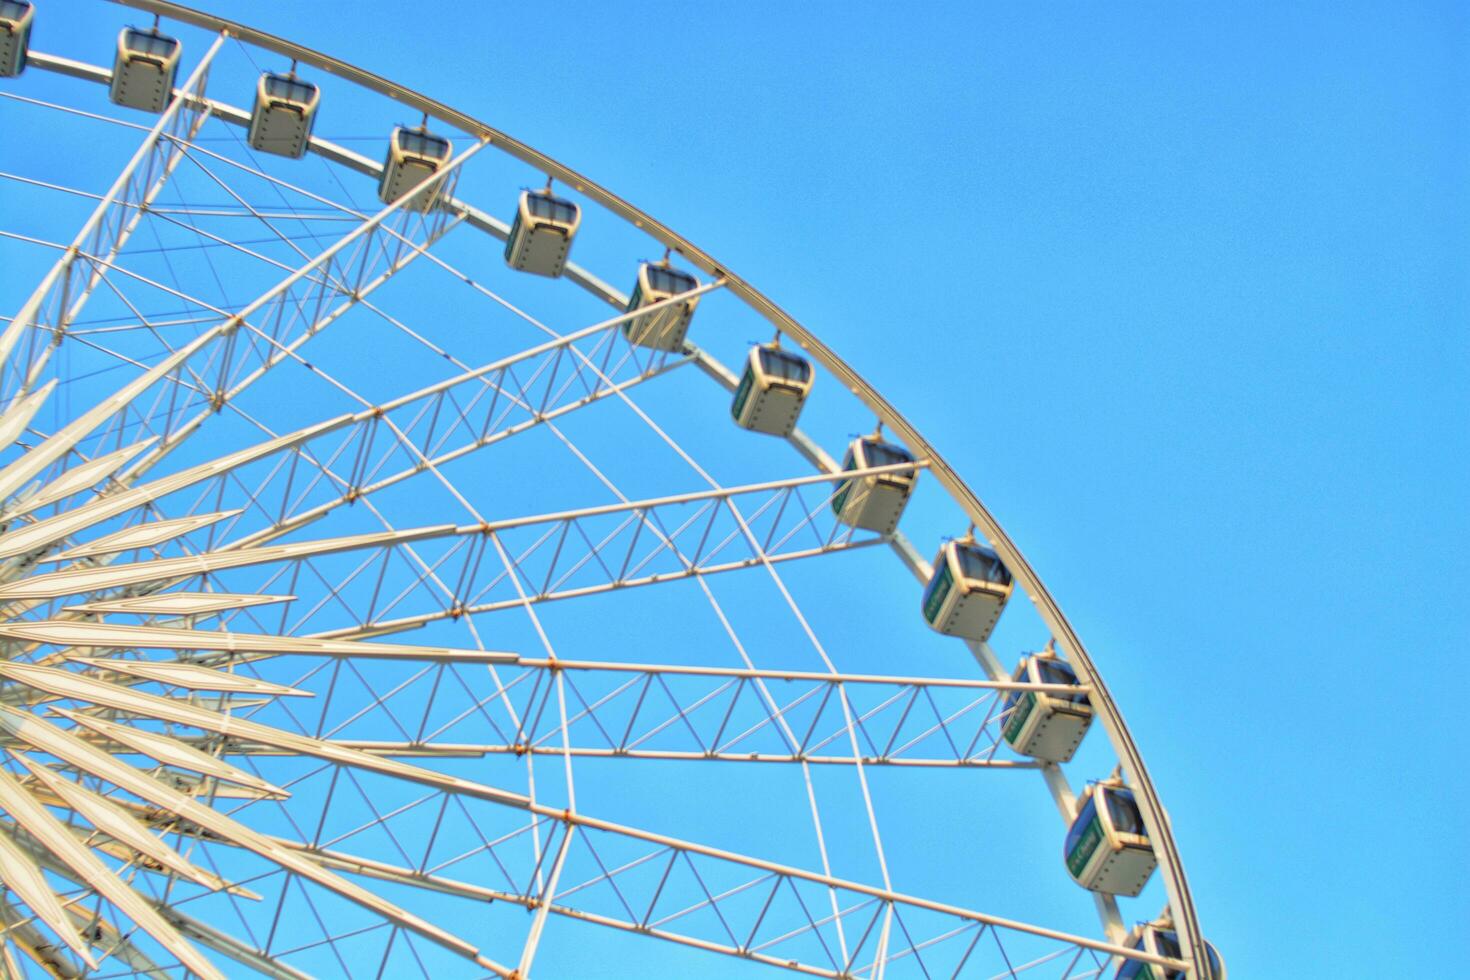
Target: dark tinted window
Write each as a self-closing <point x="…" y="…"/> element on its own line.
<point x="152" y="45"/>
<point x="1134" y="968"/>
<point x="981" y="563"/>
<point x="289" y="89"/>
<point x="1123" y="811"/>
<point x="554" y="208"/>
<point x="884" y="454"/>
<point x="1049" y="671"/>
<point x="423" y="144"/>
<point x="779" y="364"/>
<point x="1054" y="672"/>
<point x="1166" y="943"/>
<point x="666" y="280"/>
<point x="11" y="11"/>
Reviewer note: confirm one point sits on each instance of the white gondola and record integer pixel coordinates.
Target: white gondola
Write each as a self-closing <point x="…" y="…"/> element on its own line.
<point x="285" y="110"/>
<point x="1160" y="939"/>
<point x="541" y="234"/>
<point x="875" y="501"/>
<point x="1046" y="726"/>
<point x="771" y="391"/>
<point x="413" y="154"/>
<point x="144" y="69"/>
<point x="967" y="590"/>
<point x="1107" y="847"/>
<point x="662" y="329"/>
<point x="15" y="35"/>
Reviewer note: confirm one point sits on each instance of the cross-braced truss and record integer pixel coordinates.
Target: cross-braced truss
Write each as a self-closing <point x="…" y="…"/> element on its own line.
<point x="370" y="612"/>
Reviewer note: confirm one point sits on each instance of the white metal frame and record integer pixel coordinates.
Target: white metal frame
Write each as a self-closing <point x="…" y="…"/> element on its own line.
<point x="321" y="268"/>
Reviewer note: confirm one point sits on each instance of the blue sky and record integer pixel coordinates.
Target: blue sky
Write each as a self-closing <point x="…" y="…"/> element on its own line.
<point x="1181" y="291"/>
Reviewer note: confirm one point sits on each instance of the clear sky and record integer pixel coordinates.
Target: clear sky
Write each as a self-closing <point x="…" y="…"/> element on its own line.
<point x="1180" y="290"/>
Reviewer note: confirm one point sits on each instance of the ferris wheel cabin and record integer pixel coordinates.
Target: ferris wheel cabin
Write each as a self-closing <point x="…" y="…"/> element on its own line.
<point x="1160" y="939"/>
<point x="663" y="329"/>
<point x="875" y="501"/>
<point x="413" y="155"/>
<point x="285" y="109"/>
<point x="1046" y="726"/>
<point x="541" y="234"/>
<point x="1107" y="848"/>
<point x="144" y="69"/>
<point x="967" y="591"/>
<point x="15" y="35"/>
<point x="771" y="391"/>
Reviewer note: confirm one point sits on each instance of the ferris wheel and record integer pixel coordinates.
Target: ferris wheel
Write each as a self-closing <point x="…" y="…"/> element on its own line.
<point x="418" y="560"/>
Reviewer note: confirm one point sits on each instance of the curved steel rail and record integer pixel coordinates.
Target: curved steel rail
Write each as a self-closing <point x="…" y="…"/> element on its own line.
<point x="1155" y="818"/>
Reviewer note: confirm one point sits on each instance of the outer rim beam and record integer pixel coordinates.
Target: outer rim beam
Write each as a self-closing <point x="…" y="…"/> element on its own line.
<point x="1109" y="715"/>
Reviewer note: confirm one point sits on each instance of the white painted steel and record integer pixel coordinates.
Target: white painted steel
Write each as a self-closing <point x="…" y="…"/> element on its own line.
<point x="35" y="538"/>
<point x="65" y="745"/>
<point x="92" y="230"/>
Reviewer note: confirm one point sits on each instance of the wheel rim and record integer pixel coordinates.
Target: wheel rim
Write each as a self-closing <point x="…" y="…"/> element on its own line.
<point x="28" y="364"/>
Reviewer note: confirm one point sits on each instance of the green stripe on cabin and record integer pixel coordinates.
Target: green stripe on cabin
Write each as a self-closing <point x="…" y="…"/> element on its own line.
<point x="510" y="239"/>
<point x="741" y="394"/>
<point x="935" y="600"/>
<point x="1086" y="845"/>
<point x="634" y="302"/>
<point x="1018" y="716"/>
<point x="839" y="501"/>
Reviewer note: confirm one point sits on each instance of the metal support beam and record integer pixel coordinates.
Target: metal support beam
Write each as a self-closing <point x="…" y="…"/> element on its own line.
<point x="61" y="294"/>
<point x="18" y="473"/>
<point x="1070" y="645"/>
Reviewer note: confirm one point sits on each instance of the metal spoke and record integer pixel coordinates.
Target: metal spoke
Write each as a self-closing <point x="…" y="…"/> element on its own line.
<point x="63" y="292"/>
<point x="283" y="697"/>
